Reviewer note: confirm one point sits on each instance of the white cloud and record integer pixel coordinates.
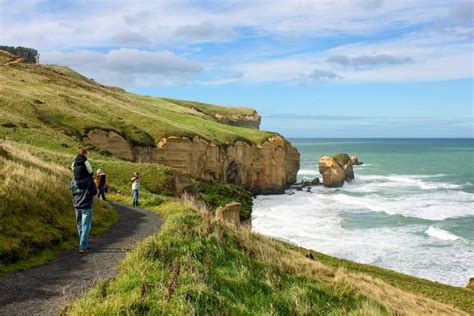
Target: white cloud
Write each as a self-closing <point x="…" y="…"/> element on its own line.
<point x="319" y="74"/>
<point x="463" y="13"/>
<point x="128" y="67"/>
<point x="160" y="21"/>
<point x="129" y="37"/>
<point x="426" y="55"/>
<point x="384" y="51"/>
<point x="371" y="4"/>
<point x="369" y="61"/>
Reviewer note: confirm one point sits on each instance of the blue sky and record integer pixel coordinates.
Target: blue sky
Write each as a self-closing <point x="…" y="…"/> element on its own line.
<point x="343" y="68"/>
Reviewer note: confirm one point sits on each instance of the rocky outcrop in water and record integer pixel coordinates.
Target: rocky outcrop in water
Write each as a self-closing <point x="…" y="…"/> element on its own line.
<point x="335" y="170"/>
<point x="265" y="168"/>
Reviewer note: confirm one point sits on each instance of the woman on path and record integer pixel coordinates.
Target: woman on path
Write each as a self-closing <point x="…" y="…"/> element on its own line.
<point x="135" y="187"/>
<point x="102" y="184"/>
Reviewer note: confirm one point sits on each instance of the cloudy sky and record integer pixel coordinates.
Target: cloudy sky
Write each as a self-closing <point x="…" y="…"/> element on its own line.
<point x="321" y="68"/>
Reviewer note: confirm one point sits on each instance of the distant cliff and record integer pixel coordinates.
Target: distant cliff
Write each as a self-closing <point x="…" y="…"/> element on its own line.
<point x="233" y="116"/>
<point x="265" y="168"/>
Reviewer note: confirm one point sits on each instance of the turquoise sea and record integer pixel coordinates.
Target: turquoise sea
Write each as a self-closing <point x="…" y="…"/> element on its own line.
<point x="409" y="209"/>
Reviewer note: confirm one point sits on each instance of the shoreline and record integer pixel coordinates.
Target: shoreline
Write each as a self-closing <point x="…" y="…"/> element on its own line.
<point x="300" y="246"/>
<point x="283" y="222"/>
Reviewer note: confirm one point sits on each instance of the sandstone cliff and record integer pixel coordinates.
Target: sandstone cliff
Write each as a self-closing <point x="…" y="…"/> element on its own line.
<point x="265" y="168"/>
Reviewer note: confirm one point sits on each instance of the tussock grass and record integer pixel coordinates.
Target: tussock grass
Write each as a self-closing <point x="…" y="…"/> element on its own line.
<point x="197" y="266"/>
<point x="36" y="209"/>
<point x="460" y="297"/>
<point x="393" y="299"/>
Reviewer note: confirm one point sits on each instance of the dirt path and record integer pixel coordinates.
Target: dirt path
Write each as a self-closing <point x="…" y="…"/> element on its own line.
<point x="46" y="289"/>
<point x="16" y="61"/>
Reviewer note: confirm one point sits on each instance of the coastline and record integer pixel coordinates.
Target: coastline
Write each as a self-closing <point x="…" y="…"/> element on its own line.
<point x="396" y="214"/>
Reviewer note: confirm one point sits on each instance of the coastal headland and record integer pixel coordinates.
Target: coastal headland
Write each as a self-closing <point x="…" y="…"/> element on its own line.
<point x="194" y="158"/>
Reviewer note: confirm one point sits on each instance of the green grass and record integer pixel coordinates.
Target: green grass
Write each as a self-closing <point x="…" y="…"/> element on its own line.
<point x="199" y="267"/>
<point x="342" y="159"/>
<point x="35" y="202"/>
<point x="38" y="97"/>
<point x="456" y="296"/>
<point x="218" y="194"/>
<point x="35" y="206"/>
<point x="211" y="110"/>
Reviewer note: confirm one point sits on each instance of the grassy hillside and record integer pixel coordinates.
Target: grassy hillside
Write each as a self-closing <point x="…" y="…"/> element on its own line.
<point x="197" y="266"/>
<point x="36" y="209"/>
<point x="193" y="265"/>
<point x="40" y="96"/>
<point x="35" y="202"/>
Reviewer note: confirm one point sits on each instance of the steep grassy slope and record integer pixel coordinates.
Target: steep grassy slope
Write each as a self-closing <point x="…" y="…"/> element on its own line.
<point x="197" y="266"/>
<point x="35" y="202"/>
<point x="35" y="96"/>
<point x="37" y="218"/>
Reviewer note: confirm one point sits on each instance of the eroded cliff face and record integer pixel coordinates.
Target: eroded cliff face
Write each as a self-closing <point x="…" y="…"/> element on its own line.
<point x="249" y="121"/>
<point x="265" y="168"/>
<point x="119" y="146"/>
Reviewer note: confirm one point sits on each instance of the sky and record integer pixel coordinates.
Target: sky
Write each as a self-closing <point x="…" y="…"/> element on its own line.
<point x="321" y="68"/>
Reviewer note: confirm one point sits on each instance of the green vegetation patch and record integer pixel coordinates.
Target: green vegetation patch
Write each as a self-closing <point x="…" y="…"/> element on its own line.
<point x="198" y="267"/>
<point x="218" y="194"/>
<point x="211" y="109"/>
<point x="36" y="209"/>
<point x="459" y="297"/>
<point x="154" y="178"/>
<point x="342" y="159"/>
<point x="59" y="98"/>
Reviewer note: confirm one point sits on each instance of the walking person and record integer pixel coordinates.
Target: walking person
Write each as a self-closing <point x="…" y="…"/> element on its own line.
<point x="83" y="191"/>
<point x="101" y="184"/>
<point x="135" y="188"/>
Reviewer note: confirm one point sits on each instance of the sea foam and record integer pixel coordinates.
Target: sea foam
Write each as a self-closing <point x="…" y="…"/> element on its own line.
<point x="338" y="222"/>
<point x="441" y="234"/>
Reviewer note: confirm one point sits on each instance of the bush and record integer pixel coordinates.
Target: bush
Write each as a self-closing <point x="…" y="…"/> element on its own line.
<point x="29" y="54"/>
<point x="216" y="194"/>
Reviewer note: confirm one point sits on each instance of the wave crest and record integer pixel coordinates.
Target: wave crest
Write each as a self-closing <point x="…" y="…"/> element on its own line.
<point x="441" y="234"/>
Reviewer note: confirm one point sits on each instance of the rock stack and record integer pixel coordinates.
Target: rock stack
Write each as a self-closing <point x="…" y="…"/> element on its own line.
<point x="335" y="170"/>
<point x="229" y="214"/>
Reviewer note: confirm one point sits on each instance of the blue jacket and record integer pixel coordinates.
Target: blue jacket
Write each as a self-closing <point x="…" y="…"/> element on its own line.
<point x="83" y="192"/>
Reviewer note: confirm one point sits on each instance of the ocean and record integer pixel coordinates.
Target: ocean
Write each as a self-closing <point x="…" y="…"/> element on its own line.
<point x="409" y="209"/>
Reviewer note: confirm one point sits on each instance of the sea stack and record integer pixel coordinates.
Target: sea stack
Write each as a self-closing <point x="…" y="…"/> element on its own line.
<point x="335" y="170"/>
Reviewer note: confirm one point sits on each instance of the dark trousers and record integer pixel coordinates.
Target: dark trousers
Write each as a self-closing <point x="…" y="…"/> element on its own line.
<point x="101" y="193"/>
